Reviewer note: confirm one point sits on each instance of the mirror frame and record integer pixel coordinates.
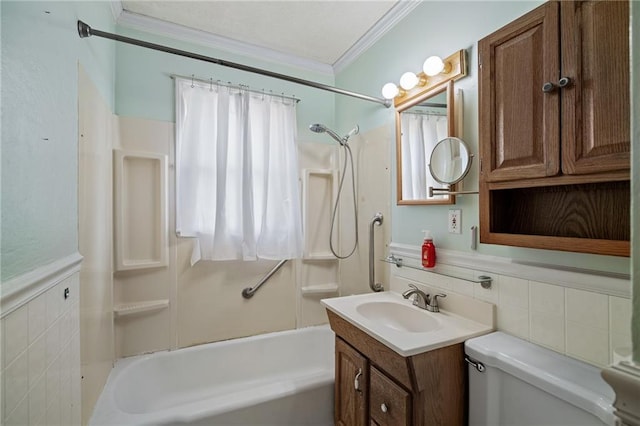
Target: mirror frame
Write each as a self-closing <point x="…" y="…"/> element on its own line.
<point x="451" y="130"/>
<point x="464" y="173"/>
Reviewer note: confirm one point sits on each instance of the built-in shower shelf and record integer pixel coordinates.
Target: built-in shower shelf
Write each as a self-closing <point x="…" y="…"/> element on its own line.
<point x="125" y="309"/>
<point x="320" y="256"/>
<point x="320" y="289"/>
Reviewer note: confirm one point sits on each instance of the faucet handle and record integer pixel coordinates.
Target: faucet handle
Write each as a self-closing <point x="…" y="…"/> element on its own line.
<point x="433" y="303"/>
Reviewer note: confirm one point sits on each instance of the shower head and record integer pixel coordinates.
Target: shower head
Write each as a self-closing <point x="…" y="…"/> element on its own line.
<point x="321" y="128"/>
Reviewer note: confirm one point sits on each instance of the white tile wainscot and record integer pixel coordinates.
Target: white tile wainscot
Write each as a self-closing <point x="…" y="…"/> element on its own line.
<point x="582" y="315"/>
<point x="41" y="357"/>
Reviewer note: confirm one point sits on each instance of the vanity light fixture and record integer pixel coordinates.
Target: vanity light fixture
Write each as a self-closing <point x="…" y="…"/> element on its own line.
<point x="435" y="71"/>
<point x="434" y="65"/>
<point x="409" y="80"/>
<point x="390" y="91"/>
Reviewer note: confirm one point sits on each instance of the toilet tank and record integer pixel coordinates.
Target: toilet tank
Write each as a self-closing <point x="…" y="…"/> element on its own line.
<point x="526" y="384"/>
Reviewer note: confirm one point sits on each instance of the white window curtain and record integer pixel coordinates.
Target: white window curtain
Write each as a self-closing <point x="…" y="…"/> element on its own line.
<point x="236" y="173"/>
<point x="420" y="133"/>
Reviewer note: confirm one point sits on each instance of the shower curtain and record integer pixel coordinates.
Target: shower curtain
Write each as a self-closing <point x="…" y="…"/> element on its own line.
<point x="420" y="133"/>
<point x="236" y="173"/>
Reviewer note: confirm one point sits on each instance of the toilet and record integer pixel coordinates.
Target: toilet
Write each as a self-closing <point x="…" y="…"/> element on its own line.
<point x="514" y="382"/>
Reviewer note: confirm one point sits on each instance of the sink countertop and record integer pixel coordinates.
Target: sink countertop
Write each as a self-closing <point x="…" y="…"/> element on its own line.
<point x="449" y="328"/>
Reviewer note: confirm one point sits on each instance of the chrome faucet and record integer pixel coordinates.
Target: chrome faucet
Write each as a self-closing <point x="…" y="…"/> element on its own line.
<point x="421" y="300"/>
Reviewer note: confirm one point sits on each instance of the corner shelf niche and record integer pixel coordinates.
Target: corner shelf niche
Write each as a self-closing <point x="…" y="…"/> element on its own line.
<point x="126" y="309"/>
<point x="484" y="280"/>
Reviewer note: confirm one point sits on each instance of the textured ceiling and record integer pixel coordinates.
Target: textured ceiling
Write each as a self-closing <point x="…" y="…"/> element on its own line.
<point x="315" y="30"/>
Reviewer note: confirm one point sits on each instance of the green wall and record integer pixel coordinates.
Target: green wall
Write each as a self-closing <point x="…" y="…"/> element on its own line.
<point x="40" y="55"/>
<point x="442" y="28"/>
<point x="144" y="87"/>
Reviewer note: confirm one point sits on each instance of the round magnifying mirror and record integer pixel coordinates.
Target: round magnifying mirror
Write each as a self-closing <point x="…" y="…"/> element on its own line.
<point x="450" y="161"/>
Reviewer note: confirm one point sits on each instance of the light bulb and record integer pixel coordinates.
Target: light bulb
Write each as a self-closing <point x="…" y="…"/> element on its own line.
<point x="390" y="91"/>
<point x="433" y="65"/>
<point x="408" y="80"/>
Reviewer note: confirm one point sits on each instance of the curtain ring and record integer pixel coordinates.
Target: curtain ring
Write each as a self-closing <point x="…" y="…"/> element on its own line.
<point x="192" y="85"/>
<point x="211" y="84"/>
<point x="263" y="94"/>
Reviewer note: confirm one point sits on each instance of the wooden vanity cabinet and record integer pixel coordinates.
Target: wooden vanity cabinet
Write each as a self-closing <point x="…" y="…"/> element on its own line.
<point x="555" y="129"/>
<point x="423" y="389"/>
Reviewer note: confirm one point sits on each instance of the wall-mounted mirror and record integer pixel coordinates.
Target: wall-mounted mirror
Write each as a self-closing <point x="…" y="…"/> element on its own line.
<point x="420" y="124"/>
<point x="450" y="161"/>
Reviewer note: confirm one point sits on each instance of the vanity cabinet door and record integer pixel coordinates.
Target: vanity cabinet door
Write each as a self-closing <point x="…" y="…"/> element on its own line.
<point x="351" y="386"/>
<point x="390" y="405"/>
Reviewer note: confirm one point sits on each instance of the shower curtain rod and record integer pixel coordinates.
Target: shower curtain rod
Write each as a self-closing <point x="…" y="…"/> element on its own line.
<point x="85" y="30"/>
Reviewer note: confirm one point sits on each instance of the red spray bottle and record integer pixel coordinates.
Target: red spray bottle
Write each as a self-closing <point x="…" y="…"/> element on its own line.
<point x="428" y="251"/>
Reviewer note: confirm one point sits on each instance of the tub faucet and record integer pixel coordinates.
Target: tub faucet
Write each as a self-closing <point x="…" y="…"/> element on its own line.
<point x="421" y="300"/>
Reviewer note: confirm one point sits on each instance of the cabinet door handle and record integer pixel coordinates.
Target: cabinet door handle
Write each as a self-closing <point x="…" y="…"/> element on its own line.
<point x="548" y="87"/>
<point x="356" y="381"/>
<point x="564" y="82"/>
<point x="384" y="408"/>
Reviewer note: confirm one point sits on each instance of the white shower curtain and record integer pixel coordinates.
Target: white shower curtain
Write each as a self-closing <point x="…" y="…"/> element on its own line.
<point x="420" y="133"/>
<point x="236" y="173"/>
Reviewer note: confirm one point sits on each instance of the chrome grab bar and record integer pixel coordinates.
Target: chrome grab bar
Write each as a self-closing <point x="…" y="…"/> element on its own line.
<point x="248" y="292"/>
<point x="377" y="220"/>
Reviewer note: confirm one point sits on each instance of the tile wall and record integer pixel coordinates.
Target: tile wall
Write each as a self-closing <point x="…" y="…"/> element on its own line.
<point x="581" y="324"/>
<point x="41" y="359"/>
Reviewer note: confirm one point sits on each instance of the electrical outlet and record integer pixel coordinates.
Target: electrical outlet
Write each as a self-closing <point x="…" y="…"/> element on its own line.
<point x="455" y="221"/>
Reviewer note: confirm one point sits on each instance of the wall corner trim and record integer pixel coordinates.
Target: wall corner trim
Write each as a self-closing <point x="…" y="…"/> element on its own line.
<point x="23" y="288"/>
<point x="624" y="378"/>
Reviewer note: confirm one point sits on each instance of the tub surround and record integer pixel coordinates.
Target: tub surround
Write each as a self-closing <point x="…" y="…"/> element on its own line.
<point x="96" y="134"/>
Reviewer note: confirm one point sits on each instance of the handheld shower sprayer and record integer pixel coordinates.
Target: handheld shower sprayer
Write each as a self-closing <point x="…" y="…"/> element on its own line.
<point x="321" y="128"/>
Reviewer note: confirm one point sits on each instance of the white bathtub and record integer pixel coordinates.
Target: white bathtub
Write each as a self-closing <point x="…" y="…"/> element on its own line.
<point x="283" y="378"/>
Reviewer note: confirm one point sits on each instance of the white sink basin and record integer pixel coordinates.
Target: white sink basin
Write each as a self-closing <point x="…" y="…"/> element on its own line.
<point x="407" y="329"/>
<point x="398" y="316"/>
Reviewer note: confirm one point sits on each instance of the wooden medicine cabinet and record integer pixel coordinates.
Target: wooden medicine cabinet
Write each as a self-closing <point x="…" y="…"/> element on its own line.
<point x="555" y="129"/>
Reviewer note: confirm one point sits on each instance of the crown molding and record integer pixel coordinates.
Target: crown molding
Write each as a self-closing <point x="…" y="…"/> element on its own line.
<point x="163" y="28"/>
<point x="144" y="23"/>
<point x="386" y="23"/>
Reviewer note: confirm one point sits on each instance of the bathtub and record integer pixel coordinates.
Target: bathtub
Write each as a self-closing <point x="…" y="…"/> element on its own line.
<point x="283" y="378"/>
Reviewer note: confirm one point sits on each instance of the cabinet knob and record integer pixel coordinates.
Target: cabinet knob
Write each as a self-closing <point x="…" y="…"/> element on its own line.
<point x="384" y="408"/>
<point x="564" y="82"/>
<point x="548" y="87"/>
